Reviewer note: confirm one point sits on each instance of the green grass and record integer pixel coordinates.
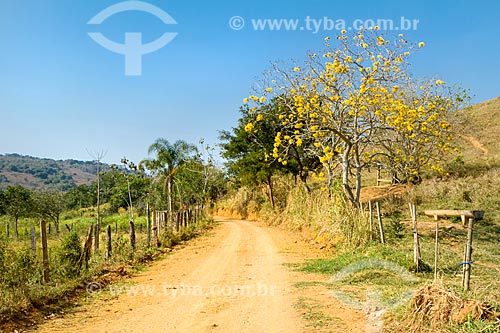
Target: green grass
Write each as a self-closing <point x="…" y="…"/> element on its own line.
<point x="396" y="253"/>
<point x="313" y="314"/>
<point x="480" y="326"/>
<point x="21" y="287"/>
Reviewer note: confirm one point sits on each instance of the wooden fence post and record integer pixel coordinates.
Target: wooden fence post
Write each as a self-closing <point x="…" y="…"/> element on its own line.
<point x="158" y="223"/>
<point x="380" y="225"/>
<point x="148" y="225"/>
<point x="436" y="251"/>
<point x="33" y="242"/>
<point x="468" y="256"/>
<point x="177" y="222"/>
<point x="370" y="216"/>
<point x="7" y="229"/>
<point x="132" y="234"/>
<point x="45" y="252"/>
<point x="378" y="175"/>
<point x="108" y="242"/>
<point x="96" y="238"/>
<point x="416" y="243"/>
<point x="86" y="249"/>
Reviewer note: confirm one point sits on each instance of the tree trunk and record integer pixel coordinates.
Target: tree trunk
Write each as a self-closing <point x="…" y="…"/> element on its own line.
<point x="169" y="194"/>
<point x="98" y="225"/>
<point x="131" y="207"/>
<point x="303" y="179"/>
<point x="358" y="176"/>
<point x="345" y="176"/>
<point x="271" y="192"/>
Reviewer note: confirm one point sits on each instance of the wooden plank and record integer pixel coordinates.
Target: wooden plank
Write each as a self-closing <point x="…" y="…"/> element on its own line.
<point x="475" y="214"/>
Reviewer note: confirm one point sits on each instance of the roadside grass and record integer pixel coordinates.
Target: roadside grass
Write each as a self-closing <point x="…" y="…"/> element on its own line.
<point x="485" y="279"/>
<point x="312" y="312"/>
<point x="24" y="298"/>
<point x="479" y="326"/>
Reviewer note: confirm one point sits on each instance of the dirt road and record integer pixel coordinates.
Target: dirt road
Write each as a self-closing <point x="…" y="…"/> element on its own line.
<point x="232" y="280"/>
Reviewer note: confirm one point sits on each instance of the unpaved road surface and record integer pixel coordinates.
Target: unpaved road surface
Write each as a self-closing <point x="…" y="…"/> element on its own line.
<point x="232" y="280"/>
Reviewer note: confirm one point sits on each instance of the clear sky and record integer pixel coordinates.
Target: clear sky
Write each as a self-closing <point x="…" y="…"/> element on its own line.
<point x="62" y="94"/>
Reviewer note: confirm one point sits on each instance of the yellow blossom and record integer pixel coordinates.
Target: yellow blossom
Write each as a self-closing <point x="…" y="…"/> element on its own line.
<point x="248" y="127"/>
<point x="259" y="117"/>
<point x="421" y="44"/>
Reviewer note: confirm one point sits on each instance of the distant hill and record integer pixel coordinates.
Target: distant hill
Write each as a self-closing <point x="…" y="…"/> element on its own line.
<point x="43" y="173"/>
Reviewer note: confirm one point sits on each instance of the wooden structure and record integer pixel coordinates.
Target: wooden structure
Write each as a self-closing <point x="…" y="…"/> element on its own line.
<point x="382" y="180"/>
<point x="463" y="214"/>
<point x="467" y="216"/>
<point x="175" y="220"/>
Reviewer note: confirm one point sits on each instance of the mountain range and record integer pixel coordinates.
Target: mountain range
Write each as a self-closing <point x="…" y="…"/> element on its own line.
<point x="44" y="173"/>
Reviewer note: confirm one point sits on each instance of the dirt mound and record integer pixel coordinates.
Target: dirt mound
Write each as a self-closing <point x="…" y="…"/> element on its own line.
<point x="434" y="305"/>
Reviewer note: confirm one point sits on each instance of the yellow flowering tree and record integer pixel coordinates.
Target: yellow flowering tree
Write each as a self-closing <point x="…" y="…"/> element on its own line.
<point x="354" y="105"/>
<point x="419" y="132"/>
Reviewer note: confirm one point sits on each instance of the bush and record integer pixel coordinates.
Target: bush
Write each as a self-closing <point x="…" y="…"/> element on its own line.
<point x="70" y="252"/>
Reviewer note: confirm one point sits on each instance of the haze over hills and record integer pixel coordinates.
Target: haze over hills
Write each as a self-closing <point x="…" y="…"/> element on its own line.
<point x="44" y="173"/>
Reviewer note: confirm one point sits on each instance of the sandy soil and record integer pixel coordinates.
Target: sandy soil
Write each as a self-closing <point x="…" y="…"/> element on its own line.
<point x="232" y="280"/>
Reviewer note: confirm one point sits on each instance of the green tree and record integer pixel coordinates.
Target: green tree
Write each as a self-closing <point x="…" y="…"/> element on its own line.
<point x="252" y="145"/>
<point x="125" y="186"/>
<point x="169" y="157"/>
<point x="81" y="196"/>
<point x="2" y="202"/>
<point x="49" y="205"/>
<point x="247" y="152"/>
<point x="18" y="203"/>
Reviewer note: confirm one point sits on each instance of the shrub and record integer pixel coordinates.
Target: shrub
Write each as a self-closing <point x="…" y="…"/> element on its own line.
<point x="70" y="251"/>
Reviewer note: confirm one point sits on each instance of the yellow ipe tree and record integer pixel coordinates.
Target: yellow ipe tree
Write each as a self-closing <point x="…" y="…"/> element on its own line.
<point x="355" y="105"/>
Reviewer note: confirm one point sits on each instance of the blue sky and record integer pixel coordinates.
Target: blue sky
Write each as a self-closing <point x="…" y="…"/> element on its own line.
<point x="62" y="94"/>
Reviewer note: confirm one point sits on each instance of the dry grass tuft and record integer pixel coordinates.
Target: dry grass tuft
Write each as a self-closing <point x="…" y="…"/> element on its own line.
<point x="434" y="305"/>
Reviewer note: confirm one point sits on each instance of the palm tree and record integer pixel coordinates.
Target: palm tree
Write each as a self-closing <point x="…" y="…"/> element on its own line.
<point x="169" y="157"/>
